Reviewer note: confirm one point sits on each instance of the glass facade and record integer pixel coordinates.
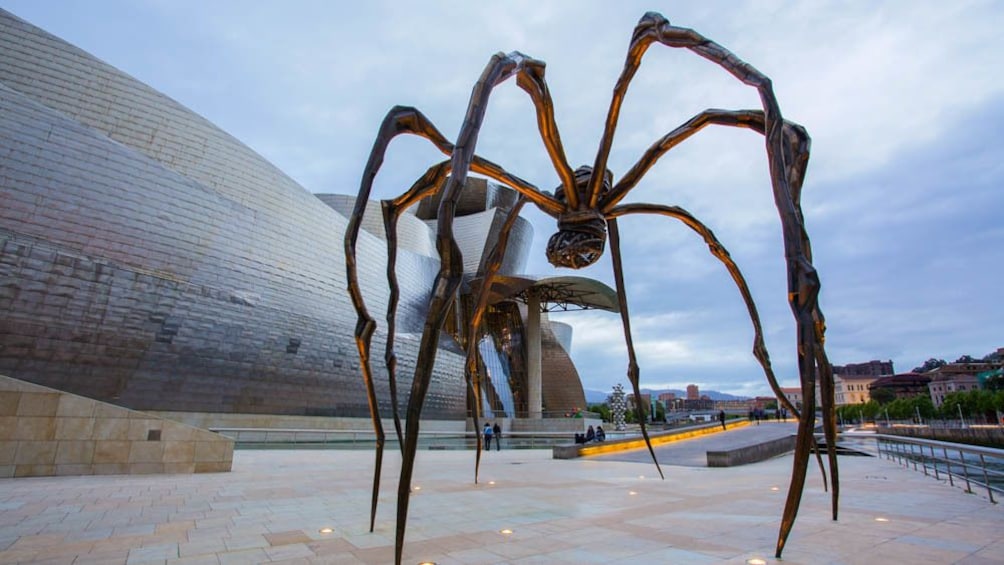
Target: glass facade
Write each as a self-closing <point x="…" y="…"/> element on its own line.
<point x="503" y="362"/>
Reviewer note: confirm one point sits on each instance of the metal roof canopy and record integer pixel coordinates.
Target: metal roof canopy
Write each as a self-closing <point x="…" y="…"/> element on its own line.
<point x="555" y="293"/>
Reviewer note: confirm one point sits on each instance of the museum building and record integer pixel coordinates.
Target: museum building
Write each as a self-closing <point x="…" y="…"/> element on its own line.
<point x="150" y="260"/>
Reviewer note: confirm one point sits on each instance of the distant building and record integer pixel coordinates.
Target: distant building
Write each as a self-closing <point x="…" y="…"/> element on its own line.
<point x="667" y="397"/>
<point x="848" y="389"/>
<point x="693" y="393"/>
<point x="735" y="405"/>
<point x="698" y="403"/>
<point x="966" y="368"/>
<point x="904" y="385"/>
<point x="646" y="399"/>
<point x="957" y="377"/>
<point x="794" y="396"/>
<point x="870" y="369"/>
<point x="943" y="385"/>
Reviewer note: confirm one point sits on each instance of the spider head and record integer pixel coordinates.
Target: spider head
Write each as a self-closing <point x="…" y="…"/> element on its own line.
<point x="582" y="234"/>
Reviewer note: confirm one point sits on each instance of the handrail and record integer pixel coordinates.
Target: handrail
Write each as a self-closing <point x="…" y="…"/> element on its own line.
<point x="952" y="461"/>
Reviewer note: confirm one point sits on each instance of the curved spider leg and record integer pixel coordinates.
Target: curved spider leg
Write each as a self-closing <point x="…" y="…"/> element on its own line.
<point x="803" y="281"/>
<point x="392" y="210"/>
<point x="718" y="250"/>
<point x="405" y="120"/>
<point x="721" y="253"/>
<point x="500" y="68"/>
<point x="797" y="156"/>
<point x="489" y="270"/>
<point x="797" y="153"/>
<point x="633" y="371"/>
<point x="531" y="80"/>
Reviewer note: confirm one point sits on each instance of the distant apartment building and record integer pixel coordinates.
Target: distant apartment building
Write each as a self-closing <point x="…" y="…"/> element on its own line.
<point x="669" y="401"/>
<point x="693" y="393"/>
<point x="734" y="405"/>
<point x="958" y="377"/>
<point x="794" y="396"/>
<point x="703" y="403"/>
<point x="646" y="400"/>
<point x="904" y="385"/>
<point x="848" y="389"/>
<point x="872" y="368"/>
<point x="943" y="385"/>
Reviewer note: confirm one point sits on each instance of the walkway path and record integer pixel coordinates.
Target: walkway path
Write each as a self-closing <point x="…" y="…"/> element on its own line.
<point x="692" y="452"/>
<point x="275" y="505"/>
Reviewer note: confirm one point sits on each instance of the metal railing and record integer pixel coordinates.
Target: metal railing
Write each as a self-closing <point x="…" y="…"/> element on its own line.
<point x="969" y="465"/>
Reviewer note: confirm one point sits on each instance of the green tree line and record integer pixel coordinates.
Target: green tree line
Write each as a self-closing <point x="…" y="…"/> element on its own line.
<point x="981" y="405"/>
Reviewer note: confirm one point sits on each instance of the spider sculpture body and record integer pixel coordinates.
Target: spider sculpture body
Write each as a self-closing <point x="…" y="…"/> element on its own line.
<point x="587" y="207"/>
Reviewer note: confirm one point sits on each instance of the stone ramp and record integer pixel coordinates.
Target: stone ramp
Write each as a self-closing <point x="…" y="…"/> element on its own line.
<point x="693" y="452"/>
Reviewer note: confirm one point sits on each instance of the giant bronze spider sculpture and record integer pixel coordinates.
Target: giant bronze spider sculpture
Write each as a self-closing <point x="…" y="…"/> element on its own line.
<point x="587" y="206"/>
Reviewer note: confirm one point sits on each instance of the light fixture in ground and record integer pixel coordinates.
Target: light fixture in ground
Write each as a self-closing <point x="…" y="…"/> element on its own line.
<point x="491" y="482"/>
<point x="881" y="519"/>
<point x="326" y="530"/>
<point x="755" y="561"/>
<point x="632" y="493"/>
<point x="427" y="563"/>
<point x="774" y="489"/>
<point x="505" y="531"/>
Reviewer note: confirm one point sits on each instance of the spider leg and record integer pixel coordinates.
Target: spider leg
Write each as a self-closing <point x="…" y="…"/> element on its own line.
<point x="500" y="68"/>
<point x="531" y="79"/>
<point x="392" y="210"/>
<point x="633" y="371"/>
<point x="803" y="281"/>
<point x="797" y="153"/>
<point x="405" y="120"/>
<point x="752" y="119"/>
<point x="722" y="254"/>
<point x="488" y="272"/>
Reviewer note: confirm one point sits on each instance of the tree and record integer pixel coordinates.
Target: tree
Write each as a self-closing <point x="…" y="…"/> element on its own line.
<point x="882" y="395"/>
<point x="930" y="365"/>
<point x="602" y="409"/>
<point x="966" y="359"/>
<point x="954" y="404"/>
<point x="995" y="382"/>
<point x="870" y="409"/>
<point x="923" y="404"/>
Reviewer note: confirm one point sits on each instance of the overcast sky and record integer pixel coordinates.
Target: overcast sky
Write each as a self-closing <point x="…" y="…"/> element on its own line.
<point x="903" y="200"/>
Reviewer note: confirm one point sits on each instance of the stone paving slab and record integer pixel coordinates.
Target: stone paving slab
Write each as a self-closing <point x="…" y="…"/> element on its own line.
<point x="274" y="505"/>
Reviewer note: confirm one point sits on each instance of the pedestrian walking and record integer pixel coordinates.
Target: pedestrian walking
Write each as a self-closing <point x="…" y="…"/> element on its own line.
<point x="488" y="436"/>
<point x="497" y="432"/>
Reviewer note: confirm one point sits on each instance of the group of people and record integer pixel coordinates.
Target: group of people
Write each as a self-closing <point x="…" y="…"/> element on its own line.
<point x="591" y="435"/>
<point x="490" y="432"/>
<point x="757" y="414"/>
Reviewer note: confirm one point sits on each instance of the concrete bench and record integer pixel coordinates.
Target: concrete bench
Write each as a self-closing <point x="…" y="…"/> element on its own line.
<point x="751" y="453"/>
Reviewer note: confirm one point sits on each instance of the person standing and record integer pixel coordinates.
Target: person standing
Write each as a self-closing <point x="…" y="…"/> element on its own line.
<point x="497" y="432"/>
<point x="488" y="436"/>
<point x="721" y="418"/>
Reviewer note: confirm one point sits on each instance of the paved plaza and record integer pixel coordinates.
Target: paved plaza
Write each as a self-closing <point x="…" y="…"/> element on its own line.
<point x="275" y="507"/>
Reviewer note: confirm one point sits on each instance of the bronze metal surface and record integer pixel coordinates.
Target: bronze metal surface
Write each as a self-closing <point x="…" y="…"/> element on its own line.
<point x="587" y="205"/>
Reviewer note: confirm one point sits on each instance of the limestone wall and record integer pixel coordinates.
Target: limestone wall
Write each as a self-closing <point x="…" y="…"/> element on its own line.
<point x="45" y="432"/>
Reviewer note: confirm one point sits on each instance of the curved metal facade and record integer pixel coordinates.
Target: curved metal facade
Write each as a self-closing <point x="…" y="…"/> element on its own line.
<point x="149" y="259"/>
